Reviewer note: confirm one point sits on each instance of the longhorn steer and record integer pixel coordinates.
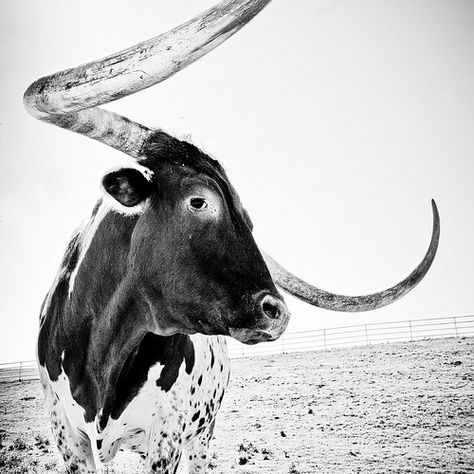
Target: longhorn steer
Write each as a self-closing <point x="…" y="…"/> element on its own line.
<point x="130" y="349"/>
<point x="115" y="348"/>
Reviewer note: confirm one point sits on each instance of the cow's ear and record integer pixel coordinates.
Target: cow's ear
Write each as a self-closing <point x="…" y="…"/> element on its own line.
<point x="128" y="186"/>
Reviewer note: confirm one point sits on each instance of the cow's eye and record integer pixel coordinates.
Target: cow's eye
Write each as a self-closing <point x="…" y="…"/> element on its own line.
<point x="197" y="204"/>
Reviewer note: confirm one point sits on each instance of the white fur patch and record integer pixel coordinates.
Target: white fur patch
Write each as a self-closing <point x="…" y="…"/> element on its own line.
<point x="152" y="411"/>
<point x="88" y="228"/>
<point x="59" y="276"/>
<point x="87" y="232"/>
<point x="61" y="388"/>
<point x="49" y="296"/>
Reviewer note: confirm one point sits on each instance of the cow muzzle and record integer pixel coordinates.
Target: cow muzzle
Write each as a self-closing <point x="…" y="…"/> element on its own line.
<point x="271" y="321"/>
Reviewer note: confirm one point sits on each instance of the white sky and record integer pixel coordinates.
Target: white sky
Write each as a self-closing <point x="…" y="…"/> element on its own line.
<point x="337" y="121"/>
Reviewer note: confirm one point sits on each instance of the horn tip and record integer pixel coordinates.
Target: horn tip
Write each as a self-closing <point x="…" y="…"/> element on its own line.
<point x="434" y="208"/>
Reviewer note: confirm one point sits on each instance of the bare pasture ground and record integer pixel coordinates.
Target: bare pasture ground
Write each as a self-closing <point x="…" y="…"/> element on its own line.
<point x="389" y="408"/>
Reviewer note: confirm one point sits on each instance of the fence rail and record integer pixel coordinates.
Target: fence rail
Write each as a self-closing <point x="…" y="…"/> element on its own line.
<point x="320" y="339"/>
<point x="23" y="370"/>
<point x="360" y="335"/>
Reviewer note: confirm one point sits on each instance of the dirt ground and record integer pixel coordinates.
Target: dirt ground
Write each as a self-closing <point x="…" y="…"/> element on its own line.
<point x="389" y="408"/>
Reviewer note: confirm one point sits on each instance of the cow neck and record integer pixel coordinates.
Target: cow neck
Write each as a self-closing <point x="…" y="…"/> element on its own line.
<point x="118" y="316"/>
<point x="111" y="308"/>
<point x="114" y="338"/>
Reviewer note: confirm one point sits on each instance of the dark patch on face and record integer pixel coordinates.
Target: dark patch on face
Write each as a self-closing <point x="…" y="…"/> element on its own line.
<point x="200" y="380"/>
<point x="170" y="351"/>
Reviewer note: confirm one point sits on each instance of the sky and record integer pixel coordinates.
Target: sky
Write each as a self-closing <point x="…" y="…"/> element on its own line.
<point x="337" y="122"/>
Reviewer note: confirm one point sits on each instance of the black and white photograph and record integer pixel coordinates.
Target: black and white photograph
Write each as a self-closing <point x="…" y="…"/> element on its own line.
<point x="254" y="254"/>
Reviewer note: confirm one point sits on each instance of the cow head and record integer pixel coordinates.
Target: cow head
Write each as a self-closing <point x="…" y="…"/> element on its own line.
<point x="202" y="225"/>
<point x="193" y="256"/>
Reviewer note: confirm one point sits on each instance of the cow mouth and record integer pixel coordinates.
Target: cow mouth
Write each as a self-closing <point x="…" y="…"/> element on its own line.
<point x="266" y="321"/>
<point x="253" y="336"/>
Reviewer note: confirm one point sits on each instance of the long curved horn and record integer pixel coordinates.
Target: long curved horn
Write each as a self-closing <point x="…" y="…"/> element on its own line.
<point x="324" y="299"/>
<point x="70" y="98"/>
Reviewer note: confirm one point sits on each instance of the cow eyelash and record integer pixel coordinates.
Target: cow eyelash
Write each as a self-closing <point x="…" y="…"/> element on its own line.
<point x="197" y="204"/>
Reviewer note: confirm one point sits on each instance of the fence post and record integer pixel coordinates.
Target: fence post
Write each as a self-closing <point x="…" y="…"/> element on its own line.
<point x="411" y="332"/>
<point x="455" y="326"/>
<point x="366" y="335"/>
<point x="324" y="339"/>
<point x="19" y="374"/>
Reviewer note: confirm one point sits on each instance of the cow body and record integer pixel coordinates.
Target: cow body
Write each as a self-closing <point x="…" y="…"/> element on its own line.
<point x="158" y="424"/>
<point x="130" y="348"/>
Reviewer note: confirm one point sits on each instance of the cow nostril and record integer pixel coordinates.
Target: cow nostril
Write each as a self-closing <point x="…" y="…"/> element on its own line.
<point x="270" y="310"/>
<point x="270" y="307"/>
